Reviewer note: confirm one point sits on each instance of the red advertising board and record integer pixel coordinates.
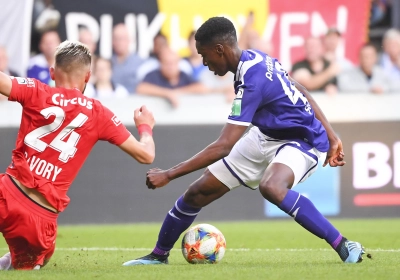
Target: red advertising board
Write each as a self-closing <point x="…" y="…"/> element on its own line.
<point x="291" y="22"/>
<point x="285" y="23"/>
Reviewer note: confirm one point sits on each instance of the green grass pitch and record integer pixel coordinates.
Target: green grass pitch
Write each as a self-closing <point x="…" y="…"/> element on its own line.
<point x="255" y="250"/>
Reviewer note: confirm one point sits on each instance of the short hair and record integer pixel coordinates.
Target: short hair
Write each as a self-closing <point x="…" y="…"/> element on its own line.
<point x="70" y="55"/>
<point x="392" y="34"/>
<point x="369" y="44"/>
<point x="50" y="31"/>
<point x="160" y="34"/>
<point x="333" y="30"/>
<point x="216" y="29"/>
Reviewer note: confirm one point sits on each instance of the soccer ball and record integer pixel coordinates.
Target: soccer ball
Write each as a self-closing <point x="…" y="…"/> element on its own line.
<point x="202" y="244"/>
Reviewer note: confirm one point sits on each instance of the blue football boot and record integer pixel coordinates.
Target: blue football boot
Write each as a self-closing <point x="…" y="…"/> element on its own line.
<point x="148" y="259"/>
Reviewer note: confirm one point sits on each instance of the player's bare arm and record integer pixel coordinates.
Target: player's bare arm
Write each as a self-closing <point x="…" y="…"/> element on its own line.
<point x="335" y="154"/>
<point x="5" y="84"/>
<point x="143" y="150"/>
<point x="231" y="133"/>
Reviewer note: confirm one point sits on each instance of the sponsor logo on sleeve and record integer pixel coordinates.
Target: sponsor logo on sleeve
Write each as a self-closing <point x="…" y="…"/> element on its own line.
<point x="25" y="81"/>
<point x="116" y="121"/>
<point x="30" y="82"/>
<point x="236" y="109"/>
<point x="21" y="81"/>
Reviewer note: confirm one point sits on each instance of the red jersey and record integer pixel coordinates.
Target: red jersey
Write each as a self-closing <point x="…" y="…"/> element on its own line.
<point x="58" y="129"/>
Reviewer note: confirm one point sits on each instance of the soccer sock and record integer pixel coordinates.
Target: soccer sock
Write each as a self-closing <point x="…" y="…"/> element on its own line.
<point x="304" y="212"/>
<point x="178" y="219"/>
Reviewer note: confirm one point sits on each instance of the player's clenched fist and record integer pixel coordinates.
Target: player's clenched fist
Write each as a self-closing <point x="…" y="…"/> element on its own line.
<point x="143" y="115"/>
<point x="157" y="178"/>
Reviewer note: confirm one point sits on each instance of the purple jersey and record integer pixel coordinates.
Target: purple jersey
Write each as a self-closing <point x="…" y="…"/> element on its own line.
<point x="267" y="99"/>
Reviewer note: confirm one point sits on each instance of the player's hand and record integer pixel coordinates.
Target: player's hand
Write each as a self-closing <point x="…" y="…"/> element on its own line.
<point x="143" y="115"/>
<point x="335" y="155"/>
<point x="156" y="178"/>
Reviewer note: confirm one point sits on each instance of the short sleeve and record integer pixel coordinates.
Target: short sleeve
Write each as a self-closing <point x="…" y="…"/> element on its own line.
<point x="245" y="105"/>
<point x="111" y="128"/>
<point x="23" y="89"/>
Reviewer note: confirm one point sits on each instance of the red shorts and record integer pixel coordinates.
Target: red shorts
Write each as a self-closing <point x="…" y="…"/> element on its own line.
<point x="29" y="229"/>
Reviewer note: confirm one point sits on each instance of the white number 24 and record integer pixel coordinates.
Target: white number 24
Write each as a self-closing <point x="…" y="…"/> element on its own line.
<point x="67" y="148"/>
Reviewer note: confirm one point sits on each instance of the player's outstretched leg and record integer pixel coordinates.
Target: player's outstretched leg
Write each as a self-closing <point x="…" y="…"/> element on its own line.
<point x="275" y="187"/>
<point x="5" y="262"/>
<point x="304" y="212"/>
<point x="181" y="216"/>
<point x="178" y="219"/>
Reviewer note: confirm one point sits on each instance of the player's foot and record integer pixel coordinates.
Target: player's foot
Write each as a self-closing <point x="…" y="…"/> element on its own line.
<point x="5" y="262"/>
<point x="149" y="259"/>
<point x="350" y="251"/>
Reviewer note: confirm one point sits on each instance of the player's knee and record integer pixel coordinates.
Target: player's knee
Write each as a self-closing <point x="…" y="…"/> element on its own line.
<point x="274" y="190"/>
<point x="193" y="197"/>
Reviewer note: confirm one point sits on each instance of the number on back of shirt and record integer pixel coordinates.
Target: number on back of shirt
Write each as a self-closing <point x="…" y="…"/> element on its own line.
<point x="67" y="148"/>
<point x="290" y="90"/>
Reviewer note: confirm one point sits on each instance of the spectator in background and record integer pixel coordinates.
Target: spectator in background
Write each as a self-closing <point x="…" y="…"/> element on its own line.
<point x="4" y="63"/>
<point x="4" y="67"/>
<point x="103" y="86"/>
<point x="44" y="16"/>
<point x="39" y="64"/>
<point x="390" y="60"/>
<point x="315" y="72"/>
<point x="219" y="84"/>
<point x="249" y="38"/>
<point x="169" y="81"/>
<point x="152" y="63"/>
<point x="368" y="77"/>
<point x="159" y="42"/>
<point x="86" y="37"/>
<point x="124" y="62"/>
<point x="332" y="42"/>
<point x="379" y="11"/>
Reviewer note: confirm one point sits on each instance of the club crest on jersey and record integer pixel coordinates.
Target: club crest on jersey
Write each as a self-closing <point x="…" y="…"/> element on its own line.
<point x="239" y="94"/>
<point x="58" y="99"/>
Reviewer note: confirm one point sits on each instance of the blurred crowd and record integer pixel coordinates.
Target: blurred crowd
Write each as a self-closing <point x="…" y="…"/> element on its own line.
<point x="165" y="74"/>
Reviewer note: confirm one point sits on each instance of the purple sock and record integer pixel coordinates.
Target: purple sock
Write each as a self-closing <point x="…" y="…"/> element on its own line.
<point x="304" y="212"/>
<point x="178" y="219"/>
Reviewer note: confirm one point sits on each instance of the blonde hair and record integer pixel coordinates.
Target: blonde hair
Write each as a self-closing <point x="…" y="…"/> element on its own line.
<point x="72" y="55"/>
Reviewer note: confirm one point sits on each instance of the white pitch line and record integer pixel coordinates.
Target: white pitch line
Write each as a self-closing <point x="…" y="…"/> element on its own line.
<point x="228" y="249"/>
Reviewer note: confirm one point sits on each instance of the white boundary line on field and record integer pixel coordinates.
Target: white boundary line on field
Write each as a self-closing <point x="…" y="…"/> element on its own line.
<point x="228" y="249"/>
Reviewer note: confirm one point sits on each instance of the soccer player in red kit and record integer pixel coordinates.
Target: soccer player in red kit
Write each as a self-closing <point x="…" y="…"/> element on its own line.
<point x="58" y="129"/>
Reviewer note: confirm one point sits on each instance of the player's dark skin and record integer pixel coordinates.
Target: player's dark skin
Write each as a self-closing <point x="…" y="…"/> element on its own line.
<point x="221" y="57"/>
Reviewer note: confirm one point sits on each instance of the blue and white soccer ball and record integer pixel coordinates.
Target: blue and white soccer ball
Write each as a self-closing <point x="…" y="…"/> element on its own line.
<point x="203" y="244"/>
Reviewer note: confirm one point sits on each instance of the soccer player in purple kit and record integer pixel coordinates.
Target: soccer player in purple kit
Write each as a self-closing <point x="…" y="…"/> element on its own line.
<point x="289" y="135"/>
